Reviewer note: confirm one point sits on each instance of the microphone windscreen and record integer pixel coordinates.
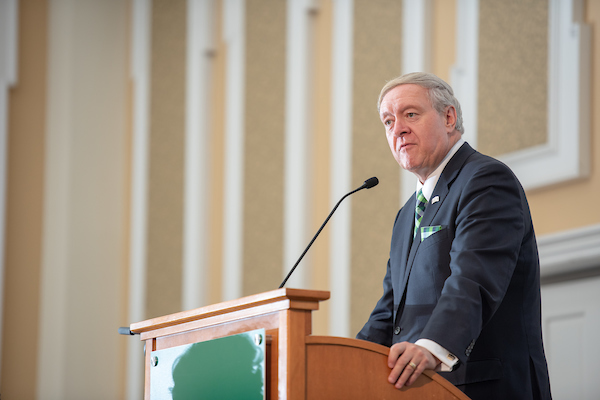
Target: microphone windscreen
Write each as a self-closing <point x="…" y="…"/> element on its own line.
<point x="369" y="183"/>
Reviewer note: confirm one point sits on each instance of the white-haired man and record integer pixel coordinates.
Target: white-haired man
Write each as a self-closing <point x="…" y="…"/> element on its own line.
<point x="462" y="287"/>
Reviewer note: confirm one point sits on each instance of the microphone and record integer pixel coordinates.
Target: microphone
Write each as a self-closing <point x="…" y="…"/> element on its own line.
<point x="369" y="183"/>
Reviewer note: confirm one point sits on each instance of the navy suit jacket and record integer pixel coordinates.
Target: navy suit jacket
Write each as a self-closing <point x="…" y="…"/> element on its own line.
<point x="473" y="286"/>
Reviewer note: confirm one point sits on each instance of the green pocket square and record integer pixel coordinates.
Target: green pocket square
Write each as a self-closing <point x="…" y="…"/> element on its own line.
<point x="427" y="231"/>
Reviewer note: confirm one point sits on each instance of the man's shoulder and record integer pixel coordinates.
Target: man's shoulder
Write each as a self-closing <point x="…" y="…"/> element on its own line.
<point x="468" y="161"/>
<point x="482" y="171"/>
<point x="479" y="161"/>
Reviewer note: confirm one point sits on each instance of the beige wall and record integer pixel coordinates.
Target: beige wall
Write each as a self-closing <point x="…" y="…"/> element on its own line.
<point x="86" y="169"/>
<point x="513" y="75"/>
<point x="166" y="157"/>
<point x="370" y="153"/>
<point x="443" y="39"/>
<point x="321" y="110"/>
<point x="66" y="203"/>
<point x="24" y="207"/>
<point x="217" y="151"/>
<point x="66" y="266"/>
<point x="264" y="130"/>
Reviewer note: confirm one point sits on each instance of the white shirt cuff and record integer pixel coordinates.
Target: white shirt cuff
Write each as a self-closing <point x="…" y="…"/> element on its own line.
<point x="448" y="359"/>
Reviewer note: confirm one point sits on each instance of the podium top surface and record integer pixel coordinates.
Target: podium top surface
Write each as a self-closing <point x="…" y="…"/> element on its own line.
<point x="284" y="298"/>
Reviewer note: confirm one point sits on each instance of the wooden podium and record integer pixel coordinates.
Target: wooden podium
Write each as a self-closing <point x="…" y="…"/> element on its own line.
<point x="298" y="365"/>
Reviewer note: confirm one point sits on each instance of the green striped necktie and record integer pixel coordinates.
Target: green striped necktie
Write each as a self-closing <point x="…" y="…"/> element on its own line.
<point x="419" y="211"/>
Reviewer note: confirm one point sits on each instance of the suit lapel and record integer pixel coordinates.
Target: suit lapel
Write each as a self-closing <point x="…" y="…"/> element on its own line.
<point x="406" y="220"/>
<point x="441" y="190"/>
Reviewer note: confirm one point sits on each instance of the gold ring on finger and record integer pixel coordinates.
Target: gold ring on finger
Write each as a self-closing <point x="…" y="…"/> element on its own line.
<point x="412" y="365"/>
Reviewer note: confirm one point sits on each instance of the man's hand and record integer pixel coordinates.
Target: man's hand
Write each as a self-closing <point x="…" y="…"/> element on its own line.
<point x="408" y="361"/>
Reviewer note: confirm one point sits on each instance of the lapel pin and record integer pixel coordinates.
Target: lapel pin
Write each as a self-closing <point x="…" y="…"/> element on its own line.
<point x="435" y="199"/>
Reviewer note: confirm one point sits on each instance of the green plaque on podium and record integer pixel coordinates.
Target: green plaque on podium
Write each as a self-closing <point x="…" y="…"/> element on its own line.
<point x="231" y="367"/>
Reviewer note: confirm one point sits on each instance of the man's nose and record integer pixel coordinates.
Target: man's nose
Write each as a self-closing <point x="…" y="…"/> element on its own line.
<point x="400" y="129"/>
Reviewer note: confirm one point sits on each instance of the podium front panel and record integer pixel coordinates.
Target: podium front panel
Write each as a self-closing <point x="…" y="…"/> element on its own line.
<point x="231" y="367"/>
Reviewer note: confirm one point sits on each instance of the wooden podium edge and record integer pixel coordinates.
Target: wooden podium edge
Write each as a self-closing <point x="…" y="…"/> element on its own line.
<point x="298" y="298"/>
<point x="377" y="348"/>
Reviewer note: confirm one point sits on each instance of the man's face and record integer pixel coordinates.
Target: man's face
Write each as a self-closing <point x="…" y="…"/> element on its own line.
<point x="418" y="135"/>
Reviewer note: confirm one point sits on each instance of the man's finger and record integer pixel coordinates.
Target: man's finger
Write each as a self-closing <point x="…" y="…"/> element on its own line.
<point x="416" y="373"/>
<point x="409" y="371"/>
<point x="395" y="352"/>
<point x="408" y="361"/>
<point x="405" y="366"/>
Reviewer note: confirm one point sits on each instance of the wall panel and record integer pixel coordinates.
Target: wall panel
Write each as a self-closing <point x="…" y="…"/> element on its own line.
<point x="376" y="60"/>
<point x="321" y="110"/>
<point x="84" y="240"/>
<point x="24" y="206"/>
<point x="166" y="155"/>
<point x="513" y="75"/>
<point x="264" y="141"/>
<point x="217" y="150"/>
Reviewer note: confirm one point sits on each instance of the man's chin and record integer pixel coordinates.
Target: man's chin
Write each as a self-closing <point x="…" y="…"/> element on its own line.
<point x="406" y="165"/>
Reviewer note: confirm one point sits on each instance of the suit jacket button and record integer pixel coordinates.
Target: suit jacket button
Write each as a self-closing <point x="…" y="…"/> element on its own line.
<point x="397" y="330"/>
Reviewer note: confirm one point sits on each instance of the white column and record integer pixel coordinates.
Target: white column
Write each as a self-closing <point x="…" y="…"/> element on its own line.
<point x="82" y="293"/>
<point x="140" y="75"/>
<point x="464" y="74"/>
<point x="234" y="35"/>
<point x="297" y="140"/>
<point x="416" y="57"/>
<point x="200" y="50"/>
<point x="341" y="165"/>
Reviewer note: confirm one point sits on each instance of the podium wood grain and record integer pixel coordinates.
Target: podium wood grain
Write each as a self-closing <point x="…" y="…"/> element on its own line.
<point x="298" y="365"/>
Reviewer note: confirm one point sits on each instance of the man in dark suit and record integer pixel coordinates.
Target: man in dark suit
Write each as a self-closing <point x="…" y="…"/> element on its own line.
<point x="462" y="288"/>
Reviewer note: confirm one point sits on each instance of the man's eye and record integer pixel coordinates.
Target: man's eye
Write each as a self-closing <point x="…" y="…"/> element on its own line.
<point x="388" y="122"/>
<point x="410" y="115"/>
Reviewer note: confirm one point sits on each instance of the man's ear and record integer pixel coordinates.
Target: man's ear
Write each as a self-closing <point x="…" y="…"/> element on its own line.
<point x="450" y="117"/>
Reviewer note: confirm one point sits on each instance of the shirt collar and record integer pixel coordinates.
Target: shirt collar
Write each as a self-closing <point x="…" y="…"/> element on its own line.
<point x="432" y="180"/>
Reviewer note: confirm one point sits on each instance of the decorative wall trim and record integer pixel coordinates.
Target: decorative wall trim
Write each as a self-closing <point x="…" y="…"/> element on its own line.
<point x="234" y="35"/>
<point x="416" y="35"/>
<point x="569" y="251"/>
<point x="83" y="235"/>
<point x="566" y="155"/>
<point x="140" y="75"/>
<point x="297" y="137"/>
<point x="341" y="165"/>
<point x="9" y="30"/>
<point x="416" y="56"/>
<point x="464" y="74"/>
<point x="55" y="231"/>
<point x="200" y="48"/>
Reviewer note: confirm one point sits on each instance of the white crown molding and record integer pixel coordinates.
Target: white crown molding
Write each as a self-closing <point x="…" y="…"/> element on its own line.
<point x="569" y="251"/>
<point x="9" y="20"/>
<point x="566" y="155"/>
